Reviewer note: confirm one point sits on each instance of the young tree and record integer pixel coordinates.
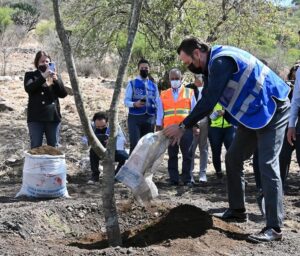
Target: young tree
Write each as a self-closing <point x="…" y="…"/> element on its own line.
<point x="110" y="211"/>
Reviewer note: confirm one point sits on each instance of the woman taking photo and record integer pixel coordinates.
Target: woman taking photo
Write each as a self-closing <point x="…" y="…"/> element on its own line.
<point x="44" y="87"/>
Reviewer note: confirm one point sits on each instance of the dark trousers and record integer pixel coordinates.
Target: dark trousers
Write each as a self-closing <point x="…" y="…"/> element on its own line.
<point x="138" y="126"/>
<point x="120" y="157"/>
<point x="185" y="148"/>
<point x="286" y="156"/>
<point x="218" y="136"/>
<point x="284" y="160"/>
<point x="37" y="131"/>
<point x="268" y="141"/>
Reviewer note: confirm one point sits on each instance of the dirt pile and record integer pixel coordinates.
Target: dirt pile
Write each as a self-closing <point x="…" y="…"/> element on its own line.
<point x="182" y="222"/>
<point x="45" y="150"/>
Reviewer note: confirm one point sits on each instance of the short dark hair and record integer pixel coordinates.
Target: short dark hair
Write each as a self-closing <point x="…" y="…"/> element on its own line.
<point x="188" y="45"/>
<point x="143" y="60"/>
<point x="100" y="116"/>
<point x="38" y="55"/>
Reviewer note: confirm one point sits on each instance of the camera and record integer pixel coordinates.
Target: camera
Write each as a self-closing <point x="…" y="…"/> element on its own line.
<point x="52" y="67"/>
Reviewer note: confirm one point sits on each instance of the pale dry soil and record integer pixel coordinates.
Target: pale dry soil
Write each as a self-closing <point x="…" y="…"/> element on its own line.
<point x="178" y="222"/>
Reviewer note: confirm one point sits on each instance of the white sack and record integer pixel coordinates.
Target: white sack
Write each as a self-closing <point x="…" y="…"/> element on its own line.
<point x="145" y="159"/>
<point x="44" y="176"/>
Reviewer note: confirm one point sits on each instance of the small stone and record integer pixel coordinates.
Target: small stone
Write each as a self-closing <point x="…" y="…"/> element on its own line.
<point x="70" y="209"/>
<point x="81" y="215"/>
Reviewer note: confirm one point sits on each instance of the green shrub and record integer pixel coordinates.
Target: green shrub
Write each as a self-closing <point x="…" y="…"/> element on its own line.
<point x="44" y="28"/>
<point x="5" y="18"/>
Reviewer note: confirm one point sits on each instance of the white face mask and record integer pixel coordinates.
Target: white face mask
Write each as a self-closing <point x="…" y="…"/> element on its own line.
<point x="175" y="84"/>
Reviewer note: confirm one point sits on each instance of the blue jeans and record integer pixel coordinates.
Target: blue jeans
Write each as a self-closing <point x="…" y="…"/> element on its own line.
<point x="217" y="136"/>
<point x="37" y="131"/>
<point x="268" y="140"/>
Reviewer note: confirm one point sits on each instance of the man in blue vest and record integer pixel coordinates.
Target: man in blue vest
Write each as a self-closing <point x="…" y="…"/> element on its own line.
<point x="256" y="100"/>
<point x="141" y="97"/>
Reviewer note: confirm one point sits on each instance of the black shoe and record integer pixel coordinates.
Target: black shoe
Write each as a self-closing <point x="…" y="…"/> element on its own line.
<point x="232" y="215"/>
<point x="219" y="175"/>
<point x="174" y="183"/>
<point x="266" y="235"/>
<point x="189" y="184"/>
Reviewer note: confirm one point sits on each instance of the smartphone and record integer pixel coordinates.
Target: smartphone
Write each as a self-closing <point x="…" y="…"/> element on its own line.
<point x="52" y="67"/>
<point x="143" y="99"/>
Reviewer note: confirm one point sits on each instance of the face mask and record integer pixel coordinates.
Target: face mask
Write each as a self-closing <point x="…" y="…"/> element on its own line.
<point x="42" y="68"/>
<point x="175" y="84"/>
<point x="144" y="73"/>
<point x="194" y="69"/>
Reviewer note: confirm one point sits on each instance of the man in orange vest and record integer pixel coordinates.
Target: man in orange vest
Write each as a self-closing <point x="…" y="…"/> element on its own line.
<point x="175" y="104"/>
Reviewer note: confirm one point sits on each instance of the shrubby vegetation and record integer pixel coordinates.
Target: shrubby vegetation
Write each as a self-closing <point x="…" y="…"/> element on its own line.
<point x="263" y="27"/>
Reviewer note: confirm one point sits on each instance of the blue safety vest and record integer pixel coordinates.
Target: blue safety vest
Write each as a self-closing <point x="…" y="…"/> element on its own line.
<point x="250" y="94"/>
<point x="140" y="91"/>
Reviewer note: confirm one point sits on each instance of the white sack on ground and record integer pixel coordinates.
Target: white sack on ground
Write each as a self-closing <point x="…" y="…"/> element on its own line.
<point x="44" y="176"/>
<point x="138" y="170"/>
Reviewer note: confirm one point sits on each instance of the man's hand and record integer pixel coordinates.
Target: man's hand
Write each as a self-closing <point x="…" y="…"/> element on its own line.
<point x="291" y="135"/>
<point x="174" y="133"/>
<point x="139" y="104"/>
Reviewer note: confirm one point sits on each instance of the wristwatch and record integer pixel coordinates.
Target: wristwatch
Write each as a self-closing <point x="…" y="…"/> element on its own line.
<point x="182" y="125"/>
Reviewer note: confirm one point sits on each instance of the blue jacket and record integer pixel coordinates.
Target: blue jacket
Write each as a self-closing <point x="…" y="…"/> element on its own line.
<point x="139" y="92"/>
<point x="249" y="96"/>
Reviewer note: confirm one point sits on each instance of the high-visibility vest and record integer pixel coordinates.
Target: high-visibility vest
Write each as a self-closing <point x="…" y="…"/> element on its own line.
<point x="251" y="93"/>
<point x="176" y="111"/>
<point x="219" y="122"/>
<point x="140" y="91"/>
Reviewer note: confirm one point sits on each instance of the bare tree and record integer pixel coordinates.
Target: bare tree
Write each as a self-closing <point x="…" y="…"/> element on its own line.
<point x="109" y="206"/>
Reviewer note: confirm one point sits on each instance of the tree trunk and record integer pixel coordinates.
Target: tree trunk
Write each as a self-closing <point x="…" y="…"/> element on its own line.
<point x="109" y="206"/>
<point x="96" y="145"/>
<point x="112" y="226"/>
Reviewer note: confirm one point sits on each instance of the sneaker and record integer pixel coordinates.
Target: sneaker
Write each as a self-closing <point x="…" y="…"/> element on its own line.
<point x="203" y="177"/>
<point x="265" y="235"/>
<point x="232" y="215"/>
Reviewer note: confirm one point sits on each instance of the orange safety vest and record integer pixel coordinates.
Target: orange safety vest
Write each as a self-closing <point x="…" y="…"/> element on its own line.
<point x="176" y="111"/>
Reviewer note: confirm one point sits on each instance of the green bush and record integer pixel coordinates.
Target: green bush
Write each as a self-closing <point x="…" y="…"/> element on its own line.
<point x="5" y="18"/>
<point x="44" y="28"/>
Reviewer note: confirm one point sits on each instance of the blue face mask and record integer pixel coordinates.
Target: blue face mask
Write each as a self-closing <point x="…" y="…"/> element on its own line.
<point x="175" y="84"/>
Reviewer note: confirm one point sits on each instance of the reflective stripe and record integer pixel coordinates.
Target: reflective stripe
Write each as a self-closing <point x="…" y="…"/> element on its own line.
<point x="240" y="84"/>
<point x="245" y="106"/>
<point x="176" y="112"/>
<point x="261" y="79"/>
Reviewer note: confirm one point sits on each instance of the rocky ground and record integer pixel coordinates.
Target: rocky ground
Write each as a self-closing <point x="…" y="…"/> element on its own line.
<point x="178" y="222"/>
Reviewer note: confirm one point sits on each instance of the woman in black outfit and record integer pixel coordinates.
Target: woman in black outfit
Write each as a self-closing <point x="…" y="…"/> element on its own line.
<point x="44" y="87"/>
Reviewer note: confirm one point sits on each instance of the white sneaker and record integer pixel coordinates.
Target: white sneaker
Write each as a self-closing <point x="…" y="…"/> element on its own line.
<point x="202" y="177"/>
